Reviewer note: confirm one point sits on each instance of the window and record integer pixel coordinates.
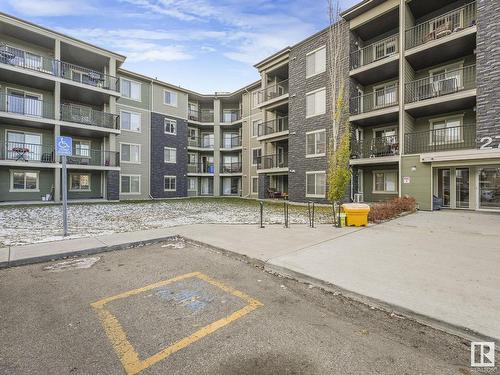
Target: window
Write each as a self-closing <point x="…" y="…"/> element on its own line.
<point x="130" y="121"/>
<point x="25" y="58"/>
<point x="255" y="128"/>
<point x="255" y="185"/>
<point x="25" y="103"/>
<point x="447" y="79"/>
<point x="79" y="182"/>
<point x="192" y="184"/>
<point x="24" y="181"/>
<point x="316" y="184"/>
<point x="81" y="148"/>
<point x="130" y="153"/>
<point x="130" y="89"/>
<point x="255" y="99"/>
<point x="130" y="184"/>
<point x="170" y="126"/>
<point x="446" y="131"/>
<point x="385" y="95"/>
<point x="24" y="141"/>
<point x="170" y="155"/>
<point x="384" y="48"/>
<point x="316" y="143"/>
<point x="316" y="103"/>
<point x="170" y="183"/>
<point x="170" y="98"/>
<point x="256" y="155"/>
<point x="316" y="62"/>
<point x="385" y="182"/>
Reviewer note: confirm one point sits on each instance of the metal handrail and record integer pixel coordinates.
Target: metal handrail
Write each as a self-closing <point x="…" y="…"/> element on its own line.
<point x="375" y="147"/>
<point x="277" y="125"/>
<point x="26" y="152"/>
<point x="444" y="139"/>
<point x="26" y="106"/>
<point x="201" y="142"/>
<point x="230" y="167"/>
<point x="94" y="157"/>
<point x="377" y="99"/>
<point x="272" y="91"/>
<point x="200" y="168"/>
<point x="376" y="51"/>
<point x="234" y="115"/>
<point x="88" y="116"/>
<point x="272" y="161"/>
<point x="232" y="142"/>
<point x="201" y="115"/>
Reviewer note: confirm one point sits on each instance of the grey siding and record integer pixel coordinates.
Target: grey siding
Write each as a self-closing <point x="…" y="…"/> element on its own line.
<point x="113" y="185"/>
<point x="159" y="169"/>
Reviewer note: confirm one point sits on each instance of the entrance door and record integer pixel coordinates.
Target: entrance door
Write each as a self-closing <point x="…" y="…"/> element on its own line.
<point x="489" y="187"/>
<point x="444" y="186"/>
<point x="462" y="187"/>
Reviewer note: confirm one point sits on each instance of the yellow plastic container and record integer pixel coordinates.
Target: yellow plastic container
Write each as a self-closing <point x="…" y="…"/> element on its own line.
<point x="357" y="214"/>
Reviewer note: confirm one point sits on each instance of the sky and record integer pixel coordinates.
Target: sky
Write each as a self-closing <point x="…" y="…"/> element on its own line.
<point x="201" y="45"/>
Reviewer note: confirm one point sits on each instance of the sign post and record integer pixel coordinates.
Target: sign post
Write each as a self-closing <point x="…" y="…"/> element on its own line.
<point x="64" y="147"/>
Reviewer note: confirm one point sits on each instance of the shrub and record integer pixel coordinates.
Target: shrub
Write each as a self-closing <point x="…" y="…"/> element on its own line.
<point x="391" y="209"/>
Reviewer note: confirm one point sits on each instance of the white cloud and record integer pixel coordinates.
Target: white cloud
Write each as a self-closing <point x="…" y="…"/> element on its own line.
<point x="50" y="8"/>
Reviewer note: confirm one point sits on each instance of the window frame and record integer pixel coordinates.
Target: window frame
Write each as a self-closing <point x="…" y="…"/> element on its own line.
<point x="176" y="98"/>
<point x="131" y="113"/>
<point x="385" y="172"/>
<point x="257" y="185"/>
<point x="139" y="153"/>
<point x="11" y="184"/>
<point x="253" y="149"/>
<point x="80" y="190"/>
<point x="315" y="195"/>
<point x="316" y="154"/>
<point x="131" y="82"/>
<point x="170" y="121"/>
<point x="314" y="92"/>
<point x="313" y="52"/>
<point x="175" y="183"/>
<point x="259" y="122"/>
<point x="167" y="148"/>
<point x="130" y="184"/>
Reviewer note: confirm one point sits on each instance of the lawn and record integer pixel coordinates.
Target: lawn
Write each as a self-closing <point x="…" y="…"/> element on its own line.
<point x="30" y="224"/>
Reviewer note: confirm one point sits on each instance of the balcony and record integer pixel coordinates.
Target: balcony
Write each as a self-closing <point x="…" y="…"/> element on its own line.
<point x="201" y="168"/>
<point x="201" y="142"/>
<point x="231" y="142"/>
<point x="229" y="116"/>
<point x="230" y="168"/>
<point x="201" y="115"/>
<point x="375" y="147"/>
<point x="26" y="105"/>
<point x="379" y="106"/>
<point x="273" y="127"/>
<point x="275" y="161"/>
<point x="31" y="61"/>
<point x="376" y="62"/>
<point x="444" y="139"/>
<point x="273" y="91"/>
<point x="27" y="152"/>
<point x="88" y="116"/>
<point x="95" y="158"/>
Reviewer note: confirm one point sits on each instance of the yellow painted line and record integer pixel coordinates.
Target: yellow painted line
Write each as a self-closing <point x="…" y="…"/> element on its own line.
<point x="124" y="349"/>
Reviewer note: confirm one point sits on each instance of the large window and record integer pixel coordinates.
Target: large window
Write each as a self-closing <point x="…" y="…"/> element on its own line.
<point x="81" y="148"/>
<point x="130" y="153"/>
<point x="24" y="103"/>
<point x="445" y="131"/>
<point x="316" y="62"/>
<point x="256" y="154"/>
<point x="79" y="182"/>
<point x="316" y="143"/>
<point x="130" y="121"/>
<point x="385" y="95"/>
<point x="24" y="146"/>
<point x="316" y="103"/>
<point x="130" y="184"/>
<point x="316" y="184"/>
<point x="170" y="98"/>
<point x="385" y="182"/>
<point x="255" y="185"/>
<point x="170" y="126"/>
<point x="255" y="127"/>
<point x="170" y="155"/>
<point x="170" y="183"/>
<point x="130" y="89"/>
<point x="24" y="181"/>
<point x="192" y="184"/>
<point x="489" y="187"/>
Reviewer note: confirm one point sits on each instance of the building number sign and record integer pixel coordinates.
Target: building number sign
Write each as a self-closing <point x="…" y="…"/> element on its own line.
<point x="486" y="142"/>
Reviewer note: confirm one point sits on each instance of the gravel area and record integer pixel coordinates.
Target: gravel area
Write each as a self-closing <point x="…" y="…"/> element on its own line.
<point x="31" y="224"/>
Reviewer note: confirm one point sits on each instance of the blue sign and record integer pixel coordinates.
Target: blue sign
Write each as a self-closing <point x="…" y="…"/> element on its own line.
<point x="64" y="146"/>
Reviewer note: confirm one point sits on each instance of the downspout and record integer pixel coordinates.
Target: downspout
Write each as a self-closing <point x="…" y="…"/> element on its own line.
<point x="149" y="140"/>
<point x="249" y="177"/>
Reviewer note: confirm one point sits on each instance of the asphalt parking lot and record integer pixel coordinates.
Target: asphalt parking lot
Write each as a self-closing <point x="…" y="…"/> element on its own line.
<point x="177" y="308"/>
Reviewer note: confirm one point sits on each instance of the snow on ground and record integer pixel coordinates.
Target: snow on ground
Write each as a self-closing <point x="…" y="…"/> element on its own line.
<point x="32" y="224"/>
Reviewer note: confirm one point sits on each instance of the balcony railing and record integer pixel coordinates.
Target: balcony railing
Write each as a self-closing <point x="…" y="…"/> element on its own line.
<point x="378" y="99"/>
<point x="31" y="61"/>
<point x="272" y="91"/>
<point x="230" y="167"/>
<point x="444" y="139"/>
<point x="441" y="26"/>
<point x="231" y="115"/>
<point x="94" y="158"/>
<point x="272" y="161"/>
<point x="450" y="82"/>
<point x="274" y="126"/>
<point x="375" y="147"/>
<point x="201" y="168"/>
<point x="26" y="105"/>
<point x="201" y="115"/>
<point x="88" y="116"/>
<point x="231" y="142"/>
<point x="201" y="142"/>
<point x="375" y="52"/>
<point x="26" y="152"/>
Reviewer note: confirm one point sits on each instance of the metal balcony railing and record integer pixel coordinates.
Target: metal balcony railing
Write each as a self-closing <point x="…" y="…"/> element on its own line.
<point x="230" y="115"/>
<point x="273" y="126"/>
<point x="201" y="168"/>
<point x="27" y="152"/>
<point x="273" y="161"/>
<point x="26" y="105"/>
<point x="450" y="82"/>
<point x="441" y="26"/>
<point x="88" y="76"/>
<point x="94" y="158"/>
<point x="375" y="51"/>
<point x="201" y="142"/>
<point x="230" y="167"/>
<point x="375" y="147"/>
<point x="88" y="116"/>
<point x="378" y="99"/>
<point x="272" y="91"/>
<point x="201" y="115"/>
<point x="231" y="142"/>
<point x="444" y="139"/>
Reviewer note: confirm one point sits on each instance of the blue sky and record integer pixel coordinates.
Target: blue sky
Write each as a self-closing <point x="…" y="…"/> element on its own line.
<point x="203" y="45"/>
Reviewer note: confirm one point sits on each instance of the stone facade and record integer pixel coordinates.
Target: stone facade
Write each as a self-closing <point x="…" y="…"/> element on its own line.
<point x="159" y="169"/>
<point x="112" y="185"/>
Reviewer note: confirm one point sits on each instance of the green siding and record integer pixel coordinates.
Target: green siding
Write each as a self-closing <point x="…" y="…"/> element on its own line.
<point x="369" y="196"/>
<point x="145" y="94"/>
<point x="95" y="186"/>
<point x="47" y="135"/>
<point x="46" y="183"/>
<point x="420" y="181"/>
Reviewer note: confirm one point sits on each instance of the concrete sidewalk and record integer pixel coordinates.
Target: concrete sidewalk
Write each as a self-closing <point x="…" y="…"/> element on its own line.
<point x="440" y="268"/>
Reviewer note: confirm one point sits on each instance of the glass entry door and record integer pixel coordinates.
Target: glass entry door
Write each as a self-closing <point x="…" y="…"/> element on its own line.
<point x="462" y="187"/>
<point x="489" y="187"/>
<point x="444" y="186"/>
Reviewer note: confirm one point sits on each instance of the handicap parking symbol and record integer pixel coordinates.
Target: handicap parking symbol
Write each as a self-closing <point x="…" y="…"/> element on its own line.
<point x="64" y="146"/>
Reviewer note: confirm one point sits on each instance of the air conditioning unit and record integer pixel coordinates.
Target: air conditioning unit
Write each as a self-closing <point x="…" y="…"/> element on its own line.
<point x="358" y="198"/>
